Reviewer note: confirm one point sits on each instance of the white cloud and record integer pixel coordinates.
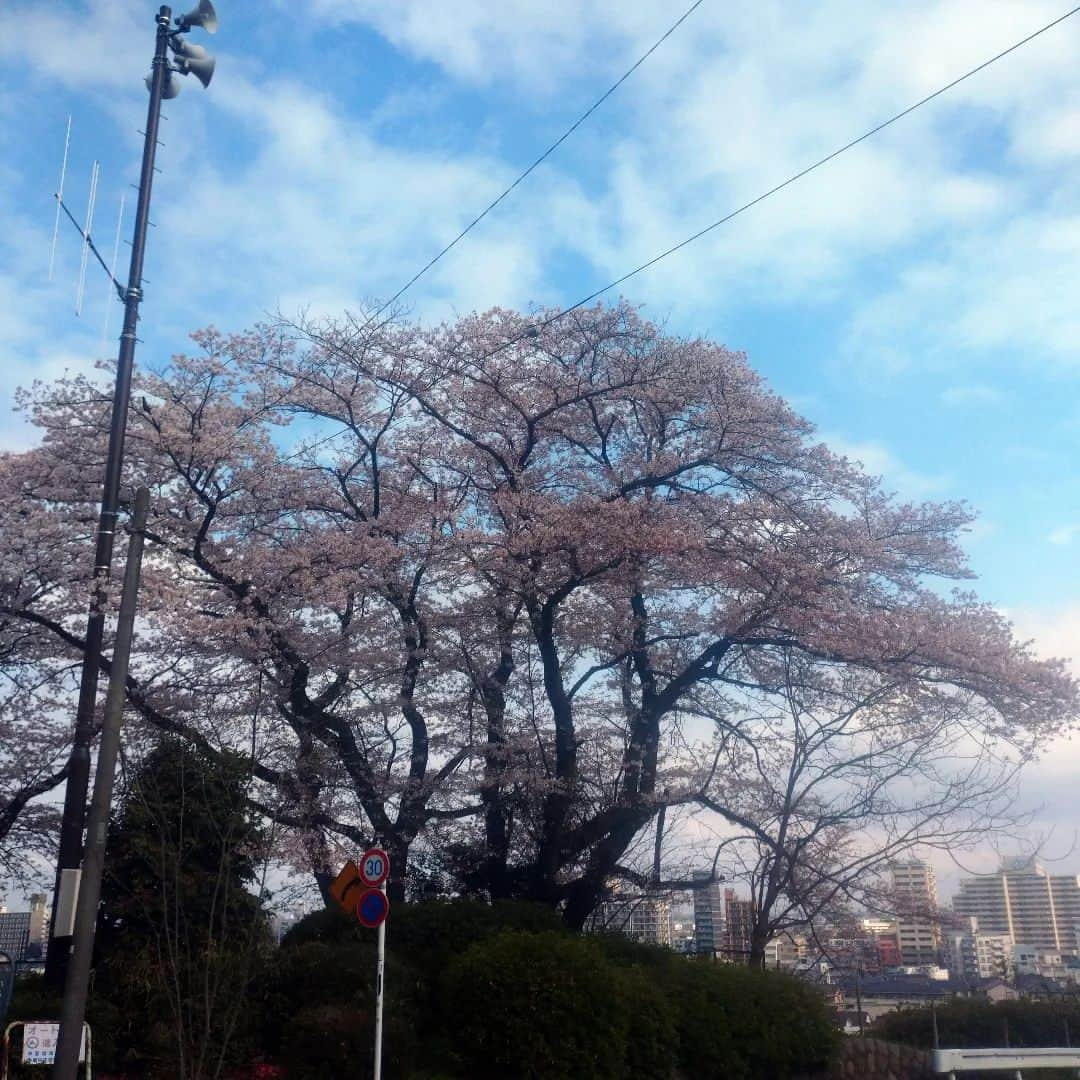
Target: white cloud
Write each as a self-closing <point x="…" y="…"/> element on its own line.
<point x="1064" y="535"/>
<point x="323" y="208"/>
<point x="1054" y="634"/>
<point x="972" y="394"/>
<point x="341" y="215"/>
<point x="738" y="99"/>
<point x="88" y="48"/>
<point x="879" y="460"/>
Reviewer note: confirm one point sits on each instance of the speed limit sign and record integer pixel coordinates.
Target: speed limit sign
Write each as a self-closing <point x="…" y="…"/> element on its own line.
<point x="374" y="867"/>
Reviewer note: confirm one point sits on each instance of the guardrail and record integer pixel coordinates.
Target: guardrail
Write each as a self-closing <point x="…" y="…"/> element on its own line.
<point x="1008" y="1058"/>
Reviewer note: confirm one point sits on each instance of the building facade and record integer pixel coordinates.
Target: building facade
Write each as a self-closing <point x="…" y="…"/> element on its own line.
<point x="918" y="928"/>
<point x="973" y="954"/>
<point x="24" y="934"/>
<point x="708" y="915"/>
<point x="1024" y="902"/>
<point x="738" y="927"/>
<point x="643" y="918"/>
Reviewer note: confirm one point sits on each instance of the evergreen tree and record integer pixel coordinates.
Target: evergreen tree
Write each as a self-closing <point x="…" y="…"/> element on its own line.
<point x="180" y="931"/>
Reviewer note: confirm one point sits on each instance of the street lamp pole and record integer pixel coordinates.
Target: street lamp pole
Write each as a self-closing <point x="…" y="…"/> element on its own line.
<point x="65" y="889"/>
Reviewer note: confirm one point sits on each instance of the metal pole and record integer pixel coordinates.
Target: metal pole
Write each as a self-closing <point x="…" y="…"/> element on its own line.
<point x="73" y="1010"/>
<point x="71" y="827"/>
<point x="858" y="995"/>
<point x="380" y="967"/>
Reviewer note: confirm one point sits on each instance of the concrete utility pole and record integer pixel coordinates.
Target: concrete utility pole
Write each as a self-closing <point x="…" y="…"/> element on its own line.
<point x="73" y="1010"/>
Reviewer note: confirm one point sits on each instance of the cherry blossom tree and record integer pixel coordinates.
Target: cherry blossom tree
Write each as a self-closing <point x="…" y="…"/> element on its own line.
<point x="663" y="526"/>
<point x="835" y="775"/>
<point x="504" y="602"/>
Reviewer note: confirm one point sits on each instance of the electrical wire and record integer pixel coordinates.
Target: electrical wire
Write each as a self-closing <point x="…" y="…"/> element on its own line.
<point x="533" y="330"/>
<point x="543" y="157"/>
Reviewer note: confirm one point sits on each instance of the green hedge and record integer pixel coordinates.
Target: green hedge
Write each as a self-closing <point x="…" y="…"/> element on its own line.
<point x="966" y="1022"/>
<point x="536" y="1006"/>
<point x="739" y="1023"/>
<point x="482" y="991"/>
<point x="320" y="1011"/>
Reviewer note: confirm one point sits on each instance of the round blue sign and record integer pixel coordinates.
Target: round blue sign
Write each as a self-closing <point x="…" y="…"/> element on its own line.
<point x="372" y="908"/>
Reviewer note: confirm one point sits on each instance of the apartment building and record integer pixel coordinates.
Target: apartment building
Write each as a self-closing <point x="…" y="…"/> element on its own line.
<point x="1023" y="901"/>
<point x="918" y="928"/>
<point x="708" y="915"/>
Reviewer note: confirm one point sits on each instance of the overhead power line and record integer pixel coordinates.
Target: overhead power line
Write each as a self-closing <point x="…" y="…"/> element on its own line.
<point x="535" y="328"/>
<point x="543" y="157"/>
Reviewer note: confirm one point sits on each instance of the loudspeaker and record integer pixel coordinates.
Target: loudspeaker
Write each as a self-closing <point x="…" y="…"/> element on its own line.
<point x="201" y="67"/>
<point x="171" y="87"/>
<point x="204" y="16"/>
<point x="185" y="49"/>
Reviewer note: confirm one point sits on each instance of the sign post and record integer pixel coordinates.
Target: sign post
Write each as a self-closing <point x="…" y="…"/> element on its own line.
<point x="39" y="1039"/>
<point x="380" y="966"/>
<point x="372" y="909"/>
<point x="7" y="984"/>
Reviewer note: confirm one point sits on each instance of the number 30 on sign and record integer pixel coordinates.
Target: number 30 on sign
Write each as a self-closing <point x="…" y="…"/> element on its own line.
<point x="374" y="867"/>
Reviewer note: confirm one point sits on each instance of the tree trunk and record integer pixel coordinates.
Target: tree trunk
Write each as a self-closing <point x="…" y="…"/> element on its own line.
<point x="759" y="938"/>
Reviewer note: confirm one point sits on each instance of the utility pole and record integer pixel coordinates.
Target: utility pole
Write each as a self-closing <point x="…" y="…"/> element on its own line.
<point x="73" y="1010"/>
<point x="192" y="60"/>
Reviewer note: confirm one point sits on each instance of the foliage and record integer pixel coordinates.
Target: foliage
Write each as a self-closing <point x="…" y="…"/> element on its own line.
<point x="536" y="1007"/>
<point x="430" y="935"/>
<point x="652" y="1030"/>
<point x="319" y="1011"/>
<point x="523" y="599"/>
<point x="181" y="936"/>
<point x="505" y="994"/>
<point x="327" y="960"/>
<point x="970" y="1022"/>
<point x="33" y="1000"/>
<point x="735" y="1021"/>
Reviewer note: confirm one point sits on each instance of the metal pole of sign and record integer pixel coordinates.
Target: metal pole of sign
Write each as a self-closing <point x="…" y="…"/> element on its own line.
<point x="380" y="968"/>
<point x="7" y="984"/>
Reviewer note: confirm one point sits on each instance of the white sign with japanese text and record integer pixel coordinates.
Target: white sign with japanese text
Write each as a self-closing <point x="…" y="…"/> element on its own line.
<point x="39" y="1043"/>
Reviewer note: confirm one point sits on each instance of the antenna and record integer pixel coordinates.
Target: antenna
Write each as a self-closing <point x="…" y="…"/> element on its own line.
<point x="59" y="198"/>
<point x="69" y="958"/>
<point x="81" y="288"/>
<point x="88" y="246"/>
<point x="112" y="271"/>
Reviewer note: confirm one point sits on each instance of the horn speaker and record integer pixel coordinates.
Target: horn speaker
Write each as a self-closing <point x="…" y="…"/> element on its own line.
<point x="204" y="16"/>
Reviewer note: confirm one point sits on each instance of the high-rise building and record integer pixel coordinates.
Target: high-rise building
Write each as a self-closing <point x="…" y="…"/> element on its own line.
<point x="708" y="915"/>
<point x="23" y="933"/>
<point x="918" y="928"/>
<point x="1023" y="901"/>
<point x="738" y="927"/>
<point x="644" y="918"/>
<point x="975" y="955"/>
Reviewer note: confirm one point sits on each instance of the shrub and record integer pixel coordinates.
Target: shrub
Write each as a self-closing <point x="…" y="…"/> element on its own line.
<point x="320" y="1011"/>
<point x="652" y="1036"/>
<point x="484" y="991"/>
<point x="33" y="1000"/>
<point x="536" y="1007"/>
<point x="325" y="974"/>
<point x="761" y="1025"/>
<point x="965" y="1022"/>
<point x="431" y="935"/>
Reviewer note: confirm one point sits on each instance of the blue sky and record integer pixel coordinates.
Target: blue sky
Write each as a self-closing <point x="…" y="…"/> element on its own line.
<point x="916" y="298"/>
